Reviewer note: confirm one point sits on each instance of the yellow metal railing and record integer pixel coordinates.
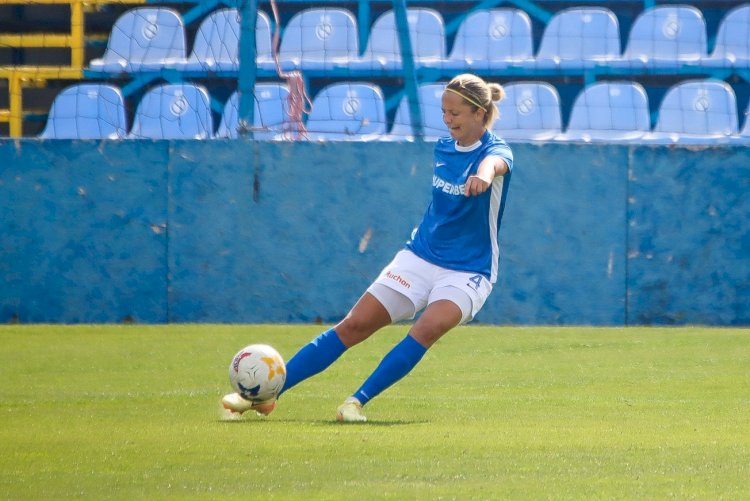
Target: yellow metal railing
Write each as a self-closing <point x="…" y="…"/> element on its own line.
<point x="20" y="77"/>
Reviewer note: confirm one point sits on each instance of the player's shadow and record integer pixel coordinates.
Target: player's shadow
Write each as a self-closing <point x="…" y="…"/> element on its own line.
<point x="385" y="424"/>
<point x="320" y="422"/>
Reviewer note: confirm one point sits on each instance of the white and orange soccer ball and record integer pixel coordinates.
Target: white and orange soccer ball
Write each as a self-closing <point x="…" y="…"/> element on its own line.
<point x="257" y="373"/>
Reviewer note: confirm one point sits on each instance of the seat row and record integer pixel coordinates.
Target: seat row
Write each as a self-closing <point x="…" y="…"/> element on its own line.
<point x="692" y="112"/>
<point x="665" y="36"/>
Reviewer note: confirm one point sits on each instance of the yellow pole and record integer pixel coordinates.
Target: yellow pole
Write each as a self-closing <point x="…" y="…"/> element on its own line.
<point x="76" y="34"/>
<point x="16" y="104"/>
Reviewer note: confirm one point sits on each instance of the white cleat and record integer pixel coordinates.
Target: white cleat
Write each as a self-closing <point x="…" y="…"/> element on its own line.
<point x="350" y="412"/>
<point x="233" y="402"/>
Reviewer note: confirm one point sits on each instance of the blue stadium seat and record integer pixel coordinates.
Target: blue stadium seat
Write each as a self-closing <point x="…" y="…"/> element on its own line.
<point x="492" y="40"/>
<point x="732" y="47"/>
<point x="696" y="112"/>
<point x="143" y="39"/>
<point x="87" y="111"/>
<point x="427" y="35"/>
<point x="217" y="42"/>
<point x="579" y="37"/>
<point x="270" y="115"/>
<point x="609" y="112"/>
<point x="349" y="111"/>
<point x="430" y="101"/>
<point x="319" y="39"/>
<point x="529" y="112"/>
<point x="665" y="37"/>
<point x="744" y="136"/>
<point x="173" y="111"/>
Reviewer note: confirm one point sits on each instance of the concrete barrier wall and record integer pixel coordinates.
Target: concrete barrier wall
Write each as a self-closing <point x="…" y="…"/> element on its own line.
<point x="689" y="236"/>
<point x="84" y="231"/>
<point x="235" y="231"/>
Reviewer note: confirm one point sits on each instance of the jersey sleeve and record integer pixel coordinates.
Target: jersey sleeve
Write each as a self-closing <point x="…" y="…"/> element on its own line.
<point x="502" y="150"/>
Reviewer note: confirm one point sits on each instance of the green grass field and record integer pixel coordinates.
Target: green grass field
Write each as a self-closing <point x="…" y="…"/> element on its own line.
<point x="124" y="412"/>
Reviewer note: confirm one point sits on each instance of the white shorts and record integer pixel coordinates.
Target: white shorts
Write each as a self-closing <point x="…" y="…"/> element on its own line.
<point x="419" y="283"/>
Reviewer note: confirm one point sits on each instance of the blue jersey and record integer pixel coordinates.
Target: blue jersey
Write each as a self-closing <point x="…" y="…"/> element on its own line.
<point x="459" y="232"/>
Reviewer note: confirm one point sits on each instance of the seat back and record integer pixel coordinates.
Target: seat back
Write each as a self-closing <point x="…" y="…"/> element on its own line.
<point x="347" y="111"/>
<point x="609" y="111"/>
<point x="699" y="107"/>
<point x="143" y="38"/>
<point x="173" y="111"/>
<point x="270" y="115"/>
<point x="217" y="41"/>
<point x="581" y="35"/>
<point x="733" y="37"/>
<point x="744" y="134"/>
<point x="316" y="36"/>
<point x="492" y="38"/>
<point x="430" y="102"/>
<point x="87" y="111"/>
<point x="667" y="33"/>
<point x="530" y="111"/>
<point x="426" y="32"/>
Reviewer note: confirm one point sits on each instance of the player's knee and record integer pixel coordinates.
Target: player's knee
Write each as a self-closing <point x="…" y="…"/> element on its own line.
<point x="427" y="335"/>
<point x="354" y="329"/>
<point x="428" y="332"/>
<point x="435" y="322"/>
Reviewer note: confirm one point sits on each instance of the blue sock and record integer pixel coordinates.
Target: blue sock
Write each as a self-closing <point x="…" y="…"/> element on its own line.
<point x="395" y="365"/>
<point x="313" y="358"/>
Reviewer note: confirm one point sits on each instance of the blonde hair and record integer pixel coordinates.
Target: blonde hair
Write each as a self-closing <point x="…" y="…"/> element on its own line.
<point x="479" y="94"/>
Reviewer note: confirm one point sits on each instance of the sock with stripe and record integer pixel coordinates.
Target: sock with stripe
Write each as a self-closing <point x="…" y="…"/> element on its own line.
<point x="313" y="358"/>
<point x="394" y="366"/>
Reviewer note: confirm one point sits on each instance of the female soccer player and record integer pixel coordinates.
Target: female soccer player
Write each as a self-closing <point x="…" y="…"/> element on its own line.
<point x="448" y="267"/>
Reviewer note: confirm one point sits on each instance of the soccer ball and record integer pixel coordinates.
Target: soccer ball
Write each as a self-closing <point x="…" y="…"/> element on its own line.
<point x="257" y="373"/>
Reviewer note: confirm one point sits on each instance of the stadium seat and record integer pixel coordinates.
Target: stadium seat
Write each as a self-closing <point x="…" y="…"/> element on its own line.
<point x="744" y="136"/>
<point x="696" y="112"/>
<point x="579" y="37"/>
<point x="430" y="102"/>
<point x="492" y="40"/>
<point x="665" y="37"/>
<point x="732" y="47"/>
<point x="173" y="111"/>
<point x="319" y="39"/>
<point x="143" y="39"/>
<point x="529" y="112"/>
<point x="349" y="111"/>
<point x="270" y="115"/>
<point x="383" y="52"/>
<point x="87" y="111"/>
<point x="217" y="42"/>
<point x="609" y="112"/>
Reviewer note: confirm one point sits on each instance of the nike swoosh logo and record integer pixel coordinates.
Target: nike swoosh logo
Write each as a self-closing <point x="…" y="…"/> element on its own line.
<point x="439" y="164"/>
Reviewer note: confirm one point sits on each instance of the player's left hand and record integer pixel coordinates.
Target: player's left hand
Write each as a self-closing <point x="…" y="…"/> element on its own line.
<point x="475" y="185"/>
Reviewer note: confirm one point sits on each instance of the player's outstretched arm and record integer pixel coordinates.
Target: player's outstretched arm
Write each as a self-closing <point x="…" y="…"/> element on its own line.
<point x="489" y="169"/>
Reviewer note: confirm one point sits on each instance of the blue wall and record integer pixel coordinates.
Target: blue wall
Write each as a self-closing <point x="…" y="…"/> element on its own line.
<point x="83" y="231"/>
<point x="235" y="231"/>
<point x="689" y="237"/>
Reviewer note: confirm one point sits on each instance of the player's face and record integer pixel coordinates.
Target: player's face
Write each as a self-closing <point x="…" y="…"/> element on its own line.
<point x="463" y="120"/>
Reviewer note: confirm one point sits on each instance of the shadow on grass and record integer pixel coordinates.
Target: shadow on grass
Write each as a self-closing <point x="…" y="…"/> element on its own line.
<point x="320" y="422"/>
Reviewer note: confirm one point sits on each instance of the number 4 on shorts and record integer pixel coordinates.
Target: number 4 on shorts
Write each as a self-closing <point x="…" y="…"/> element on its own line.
<point x="476" y="281"/>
